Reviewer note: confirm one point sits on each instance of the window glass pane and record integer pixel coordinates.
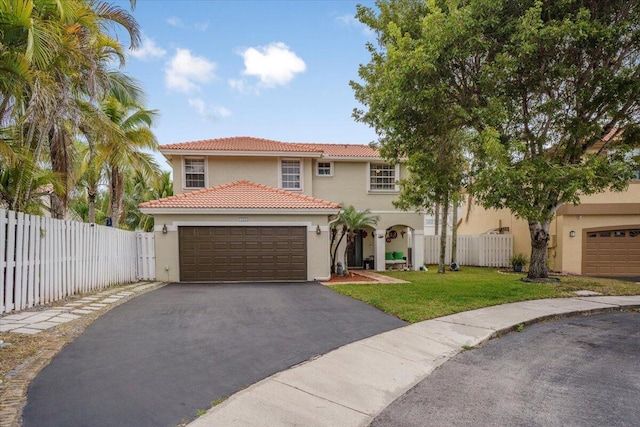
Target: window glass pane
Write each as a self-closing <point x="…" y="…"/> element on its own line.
<point x="194" y="173"/>
<point x="324" y="168"/>
<point x="382" y="177"/>
<point x="290" y="174"/>
<point x="605" y="234"/>
<point x="620" y="233"/>
<point x="592" y="235"/>
<point x="634" y="233"/>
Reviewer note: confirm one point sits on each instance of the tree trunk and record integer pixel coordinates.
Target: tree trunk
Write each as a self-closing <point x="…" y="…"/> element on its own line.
<point x="57" y="207"/>
<point x="436" y="219"/>
<point x="91" y="197"/>
<point x="350" y="241"/>
<point x="539" y="238"/>
<point x="443" y="234"/>
<point x="334" y="233"/>
<point x="454" y="230"/>
<point x="117" y="193"/>
<point x="335" y="250"/>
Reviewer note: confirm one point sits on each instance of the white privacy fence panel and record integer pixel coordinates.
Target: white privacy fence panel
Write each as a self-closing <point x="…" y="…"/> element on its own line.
<point x="146" y="256"/>
<point x="484" y="250"/>
<point x="44" y="259"/>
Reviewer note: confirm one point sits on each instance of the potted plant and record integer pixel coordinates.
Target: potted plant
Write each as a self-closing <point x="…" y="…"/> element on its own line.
<point x="518" y="261"/>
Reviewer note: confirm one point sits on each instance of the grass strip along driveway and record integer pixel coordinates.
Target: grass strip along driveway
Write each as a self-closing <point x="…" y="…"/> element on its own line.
<point x="430" y="295"/>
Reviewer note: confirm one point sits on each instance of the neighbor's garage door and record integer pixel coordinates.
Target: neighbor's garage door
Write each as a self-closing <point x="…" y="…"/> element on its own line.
<point x="243" y="253"/>
<point x="611" y="252"/>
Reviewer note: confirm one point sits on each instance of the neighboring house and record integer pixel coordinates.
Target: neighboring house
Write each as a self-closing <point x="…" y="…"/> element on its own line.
<point x="598" y="237"/>
<point x="254" y="209"/>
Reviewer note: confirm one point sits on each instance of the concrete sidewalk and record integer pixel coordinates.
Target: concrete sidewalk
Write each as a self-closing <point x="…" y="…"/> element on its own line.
<point x="351" y="385"/>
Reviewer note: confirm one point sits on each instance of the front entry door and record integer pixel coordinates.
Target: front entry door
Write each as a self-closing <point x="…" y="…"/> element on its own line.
<point x="354" y="252"/>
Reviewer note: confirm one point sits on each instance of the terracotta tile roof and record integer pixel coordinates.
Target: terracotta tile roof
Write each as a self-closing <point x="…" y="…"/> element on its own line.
<point x="246" y="143"/>
<point x="241" y="195"/>
<point x="345" y="150"/>
<point x="612" y="134"/>
<point x="239" y="143"/>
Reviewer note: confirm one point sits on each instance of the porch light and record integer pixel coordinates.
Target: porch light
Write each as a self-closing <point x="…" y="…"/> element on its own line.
<point x="572" y="233"/>
<point x="318" y="231"/>
<point x="164" y="229"/>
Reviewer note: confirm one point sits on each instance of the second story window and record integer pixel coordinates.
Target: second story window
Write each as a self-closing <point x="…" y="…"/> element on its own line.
<point x="194" y="173"/>
<point x="324" y="169"/>
<point x="382" y="177"/>
<point x="290" y="174"/>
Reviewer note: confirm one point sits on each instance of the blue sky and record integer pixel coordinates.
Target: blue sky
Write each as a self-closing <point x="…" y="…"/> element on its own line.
<point x="269" y="69"/>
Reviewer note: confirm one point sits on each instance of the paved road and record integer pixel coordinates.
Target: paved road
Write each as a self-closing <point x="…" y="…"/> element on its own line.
<point x="582" y="371"/>
<point x="160" y="357"/>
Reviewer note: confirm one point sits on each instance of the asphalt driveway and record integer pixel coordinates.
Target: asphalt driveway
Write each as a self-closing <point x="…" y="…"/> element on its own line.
<point x="580" y="371"/>
<point x="159" y="358"/>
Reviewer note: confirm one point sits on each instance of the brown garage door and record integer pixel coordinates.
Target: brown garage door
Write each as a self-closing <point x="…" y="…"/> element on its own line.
<point x="243" y="253"/>
<point x="611" y="252"/>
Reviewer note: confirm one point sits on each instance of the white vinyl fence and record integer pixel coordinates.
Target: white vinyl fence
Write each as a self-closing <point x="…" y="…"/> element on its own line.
<point x="484" y="250"/>
<point x="44" y="259"/>
<point x="146" y="256"/>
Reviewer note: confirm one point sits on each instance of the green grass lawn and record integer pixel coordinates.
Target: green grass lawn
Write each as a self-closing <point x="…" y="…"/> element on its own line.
<point x="430" y="295"/>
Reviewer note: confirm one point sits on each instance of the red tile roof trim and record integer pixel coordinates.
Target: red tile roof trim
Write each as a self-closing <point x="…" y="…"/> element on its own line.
<point x="241" y="195"/>
<point x="245" y="143"/>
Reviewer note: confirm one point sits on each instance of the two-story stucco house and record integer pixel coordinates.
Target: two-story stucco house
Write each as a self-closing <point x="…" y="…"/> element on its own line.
<point x="253" y="209"/>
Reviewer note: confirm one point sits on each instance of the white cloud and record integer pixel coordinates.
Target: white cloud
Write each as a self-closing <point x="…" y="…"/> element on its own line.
<point x="174" y="21"/>
<point x="350" y="21"/>
<point x="201" y="26"/>
<point x="185" y="72"/>
<point x="242" y="86"/>
<point x="347" y="20"/>
<point x="211" y="112"/>
<point x="148" y="50"/>
<point x="273" y="65"/>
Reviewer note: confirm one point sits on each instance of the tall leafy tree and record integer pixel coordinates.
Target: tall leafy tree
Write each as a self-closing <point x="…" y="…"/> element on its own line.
<point x="549" y="89"/>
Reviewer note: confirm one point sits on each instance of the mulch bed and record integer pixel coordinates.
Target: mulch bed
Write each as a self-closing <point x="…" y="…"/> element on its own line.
<point x="353" y="277"/>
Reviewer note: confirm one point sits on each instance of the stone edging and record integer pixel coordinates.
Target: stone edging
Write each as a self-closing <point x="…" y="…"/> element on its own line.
<point x="13" y="390"/>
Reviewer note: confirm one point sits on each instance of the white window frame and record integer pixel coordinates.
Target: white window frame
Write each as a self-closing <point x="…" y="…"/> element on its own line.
<point x="318" y="174"/>
<point x="396" y="177"/>
<point x="184" y="172"/>
<point x="301" y="173"/>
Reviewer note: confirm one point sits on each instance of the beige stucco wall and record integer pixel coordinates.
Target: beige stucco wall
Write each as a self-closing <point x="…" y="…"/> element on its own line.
<point x="167" y="248"/>
<point x="631" y="195"/>
<point x="570" y="248"/>
<point x="347" y="186"/>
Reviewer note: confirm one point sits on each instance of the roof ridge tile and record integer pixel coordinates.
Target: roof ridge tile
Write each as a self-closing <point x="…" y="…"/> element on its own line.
<point x="217" y="197"/>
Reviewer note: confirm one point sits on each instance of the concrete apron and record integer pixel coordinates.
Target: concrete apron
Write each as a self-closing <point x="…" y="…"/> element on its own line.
<point x="351" y="385"/>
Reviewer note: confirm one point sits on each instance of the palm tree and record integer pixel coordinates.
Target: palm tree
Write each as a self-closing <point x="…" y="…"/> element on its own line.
<point x="124" y="151"/>
<point x="352" y="220"/>
<point x="138" y="189"/>
<point x="60" y="52"/>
